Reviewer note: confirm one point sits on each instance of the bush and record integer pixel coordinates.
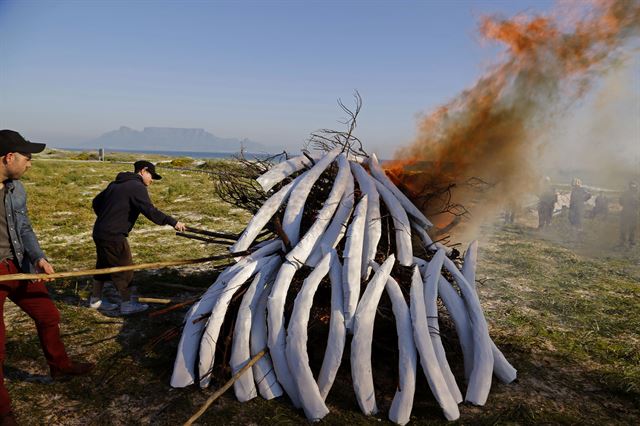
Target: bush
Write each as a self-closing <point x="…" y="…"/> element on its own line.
<point x="181" y="162"/>
<point x="212" y="165"/>
<point x="84" y="156"/>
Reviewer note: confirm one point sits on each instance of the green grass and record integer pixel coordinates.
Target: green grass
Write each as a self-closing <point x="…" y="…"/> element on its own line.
<point x="575" y="303"/>
<point x="60" y="195"/>
<point x="564" y="308"/>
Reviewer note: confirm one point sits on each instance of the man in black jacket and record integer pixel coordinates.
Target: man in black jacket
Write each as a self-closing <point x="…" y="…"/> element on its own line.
<point x="118" y="208"/>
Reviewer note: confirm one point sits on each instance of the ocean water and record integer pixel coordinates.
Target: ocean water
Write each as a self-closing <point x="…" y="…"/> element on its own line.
<point x="193" y="154"/>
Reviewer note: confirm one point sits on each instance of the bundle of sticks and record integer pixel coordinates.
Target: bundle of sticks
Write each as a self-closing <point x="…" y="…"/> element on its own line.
<point x="338" y="222"/>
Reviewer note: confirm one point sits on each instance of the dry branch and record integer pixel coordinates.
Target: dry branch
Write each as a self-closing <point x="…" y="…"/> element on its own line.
<point x="217" y="234"/>
<point x="172" y="307"/>
<point x="327" y="139"/>
<point x="204" y="239"/>
<point x="217" y="394"/>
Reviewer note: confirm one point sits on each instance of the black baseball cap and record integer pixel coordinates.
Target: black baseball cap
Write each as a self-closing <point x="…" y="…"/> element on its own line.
<point x="143" y="164"/>
<point x="12" y="141"/>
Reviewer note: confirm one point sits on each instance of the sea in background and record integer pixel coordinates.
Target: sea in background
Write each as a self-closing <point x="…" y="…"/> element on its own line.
<point x="614" y="181"/>
<point x="193" y="154"/>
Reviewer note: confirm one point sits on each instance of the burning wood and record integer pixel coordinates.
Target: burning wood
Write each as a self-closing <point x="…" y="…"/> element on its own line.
<point x="342" y="217"/>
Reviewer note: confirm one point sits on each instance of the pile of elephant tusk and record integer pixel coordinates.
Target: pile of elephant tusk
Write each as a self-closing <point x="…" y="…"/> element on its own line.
<point x="350" y="247"/>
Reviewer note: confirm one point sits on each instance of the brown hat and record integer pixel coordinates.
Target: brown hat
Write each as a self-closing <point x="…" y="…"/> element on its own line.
<point x="11" y="141"/>
<point x="143" y="164"/>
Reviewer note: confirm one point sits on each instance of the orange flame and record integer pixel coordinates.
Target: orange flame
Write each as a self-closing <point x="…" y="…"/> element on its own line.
<point x="493" y="130"/>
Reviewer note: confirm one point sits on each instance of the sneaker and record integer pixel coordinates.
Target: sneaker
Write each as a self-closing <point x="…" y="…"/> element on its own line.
<point x="95" y="303"/>
<point x="128" y="308"/>
<point x="74" y="369"/>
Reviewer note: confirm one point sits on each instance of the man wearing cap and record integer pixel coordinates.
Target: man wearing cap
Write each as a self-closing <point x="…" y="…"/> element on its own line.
<point x="117" y="209"/>
<point x="21" y="252"/>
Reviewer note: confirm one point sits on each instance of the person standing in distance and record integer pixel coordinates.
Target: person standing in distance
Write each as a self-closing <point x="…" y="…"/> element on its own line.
<point x="117" y="209"/>
<point x="546" y="203"/>
<point x="630" y="202"/>
<point x="577" y="206"/>
<point x="21" y="252"/>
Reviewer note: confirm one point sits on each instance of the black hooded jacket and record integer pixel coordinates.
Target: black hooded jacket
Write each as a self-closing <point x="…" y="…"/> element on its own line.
<point x="119" y="206"/>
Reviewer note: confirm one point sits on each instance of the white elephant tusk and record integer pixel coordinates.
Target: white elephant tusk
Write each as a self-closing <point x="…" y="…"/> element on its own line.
<point x="362" y="336"/>
<point x="309" y="393"/>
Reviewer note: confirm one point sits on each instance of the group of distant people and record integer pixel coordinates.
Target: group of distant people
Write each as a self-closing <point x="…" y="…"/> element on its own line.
<point x="629" y="201"/>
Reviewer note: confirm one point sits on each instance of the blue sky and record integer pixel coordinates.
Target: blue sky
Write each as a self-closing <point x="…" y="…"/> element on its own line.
<point x="267" y="70"/>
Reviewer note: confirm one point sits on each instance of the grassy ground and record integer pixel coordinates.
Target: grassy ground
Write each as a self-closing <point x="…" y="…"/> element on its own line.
<point x="564" y="307"/>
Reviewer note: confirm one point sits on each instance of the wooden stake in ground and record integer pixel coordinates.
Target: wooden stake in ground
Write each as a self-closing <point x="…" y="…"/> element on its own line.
<point x="224" y="388"/>
<point x="173" y="307"/>
<point x="154" y="300"/>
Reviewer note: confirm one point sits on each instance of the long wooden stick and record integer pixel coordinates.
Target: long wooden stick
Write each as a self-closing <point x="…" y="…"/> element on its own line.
<point x="204" y="239"/>
<point x="172" y="307"/>
<point x="224" y="388"/>
<point x="103" y="271"/>
<point x="217" y="234"/>
<point x="154" y="300"/>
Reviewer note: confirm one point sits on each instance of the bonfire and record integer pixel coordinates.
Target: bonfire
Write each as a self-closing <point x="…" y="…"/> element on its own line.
<point x="338" y="225"/>
<point x="335" y="222"/>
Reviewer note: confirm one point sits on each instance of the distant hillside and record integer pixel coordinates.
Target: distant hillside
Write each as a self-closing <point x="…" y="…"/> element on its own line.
<point x="170" y="139"/>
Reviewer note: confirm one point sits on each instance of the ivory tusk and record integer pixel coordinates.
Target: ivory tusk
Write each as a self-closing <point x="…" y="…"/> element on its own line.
<point x="212" y="329"/>
<point x="352" y="256"/>
<point x="277" y="173"/>
<point x="337" y="331"/>
<point x="411" y="208"/>
<point x="428" y="360"/>
<point x="299" y="194"/>
<point x="362" y="336"/>
<point x="373" y="224"/>
<point x="430" y="281"/>
<point x="297" y="357"/>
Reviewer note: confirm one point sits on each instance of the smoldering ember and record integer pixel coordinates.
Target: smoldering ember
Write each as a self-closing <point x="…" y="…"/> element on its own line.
<point x="336" y="225"/>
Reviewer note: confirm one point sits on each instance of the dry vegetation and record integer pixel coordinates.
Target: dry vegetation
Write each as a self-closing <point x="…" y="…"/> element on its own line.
<point x="565" y="311"/>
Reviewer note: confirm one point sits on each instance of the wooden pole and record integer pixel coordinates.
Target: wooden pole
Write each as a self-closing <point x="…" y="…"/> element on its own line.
<point x="103" y="271"/>
<point x="225" y="235"/>
<point x="154" y="300"/>
<point x="224" y="388"/>
<point x="172" y="307"/>
<point x="203" y="239"/>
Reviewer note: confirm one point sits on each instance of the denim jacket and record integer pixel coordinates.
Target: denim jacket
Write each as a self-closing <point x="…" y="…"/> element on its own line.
<point x="24" y="241"/>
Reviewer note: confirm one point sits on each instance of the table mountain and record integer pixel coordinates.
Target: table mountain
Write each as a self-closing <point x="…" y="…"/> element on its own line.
<point x="171" y="139"/>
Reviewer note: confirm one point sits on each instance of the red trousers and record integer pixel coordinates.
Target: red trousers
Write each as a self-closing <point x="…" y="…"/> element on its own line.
<point x="34" y="299"/>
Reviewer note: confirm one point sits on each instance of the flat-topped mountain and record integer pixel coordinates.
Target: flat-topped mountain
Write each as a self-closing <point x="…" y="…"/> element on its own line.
<point x="171" y="139"/>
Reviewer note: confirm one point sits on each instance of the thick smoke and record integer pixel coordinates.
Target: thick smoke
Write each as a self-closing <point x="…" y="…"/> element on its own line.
<point x="603" y="133"/>
<point x="495" y="132"/>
